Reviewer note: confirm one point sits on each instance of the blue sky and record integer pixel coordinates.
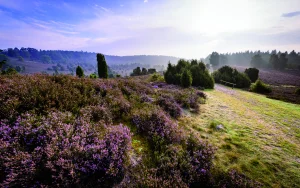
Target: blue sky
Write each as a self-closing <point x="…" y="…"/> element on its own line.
<point x="182" y="28"/>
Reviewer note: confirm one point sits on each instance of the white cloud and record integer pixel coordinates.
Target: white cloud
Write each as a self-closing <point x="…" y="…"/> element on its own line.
<point x="190" y="28"/>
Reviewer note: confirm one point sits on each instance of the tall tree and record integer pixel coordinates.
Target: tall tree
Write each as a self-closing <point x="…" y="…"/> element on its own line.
<point x="102" y="66"/>
<point x="283" y="61"/>
<point x="2" y="61"/>
<point x="274" y="61"/>
<point x="214" y="59"/>
<point x="257" y="61"/>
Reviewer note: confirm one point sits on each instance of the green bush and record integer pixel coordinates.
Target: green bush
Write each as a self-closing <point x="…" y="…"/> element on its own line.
<point x="231" y="75"/>
<point x="9" y="71"/>
<point x="156" y="78"/>
<point x="186" y="78"/>
<point x="79" y="72"/>
<point x="199" y="74"/>
<point x="93" y="76"/>
<point x="297" y="92"/>
<point x="252" y="74"/>
<point x="260" y="87"/>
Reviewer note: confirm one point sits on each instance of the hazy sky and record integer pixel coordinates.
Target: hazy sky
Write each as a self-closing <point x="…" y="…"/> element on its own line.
<point x="182" y="28"/>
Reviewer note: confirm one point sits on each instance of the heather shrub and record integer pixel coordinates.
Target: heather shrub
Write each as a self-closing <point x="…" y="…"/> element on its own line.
<point x="156" y="126"/>
<point x="169" y="105"/>
<point x="252" y="73"/>
<point x="117" y="104"/>
<point x="184" y="165"/>
<point x="260" y="87"/>
<point x="41" y="93"/>
<point x="59" y="150"/>
<point x="97" y="113"/>
<point x="188" y="98"/>
<point x="297" y="92"/>
<point x="234" y="179"/>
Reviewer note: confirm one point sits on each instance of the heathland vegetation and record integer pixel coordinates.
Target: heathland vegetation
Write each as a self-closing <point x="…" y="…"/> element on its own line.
<point x="147" y="130"/>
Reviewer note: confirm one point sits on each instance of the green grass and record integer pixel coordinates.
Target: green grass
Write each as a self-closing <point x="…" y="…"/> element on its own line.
<point x="261" y="136"/>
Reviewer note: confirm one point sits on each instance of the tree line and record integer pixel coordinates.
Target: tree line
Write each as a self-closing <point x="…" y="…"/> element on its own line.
<point x="274" y="59"/>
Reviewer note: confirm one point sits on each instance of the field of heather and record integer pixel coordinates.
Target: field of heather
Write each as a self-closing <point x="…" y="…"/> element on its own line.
<point x="67" y="131"/>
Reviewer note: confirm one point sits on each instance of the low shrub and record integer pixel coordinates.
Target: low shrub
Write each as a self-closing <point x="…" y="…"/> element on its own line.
<point x="58" y="150"/>
<point x="252" y="73"/>
<point x="169" y="105"/>
<point x="297" y="92"/>
<point x="234" y="179"/>
<point x="260" y="87"/>
<point x="156" y="126"/>
<point x="156" y="78"/>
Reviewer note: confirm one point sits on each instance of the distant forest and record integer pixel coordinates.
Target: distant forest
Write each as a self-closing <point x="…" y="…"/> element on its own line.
<point x="258" y="59"/>
<point x="60" y="56"/>
<point x="67" y="61"/>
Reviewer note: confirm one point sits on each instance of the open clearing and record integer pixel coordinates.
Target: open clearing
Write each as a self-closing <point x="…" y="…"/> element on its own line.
<point x="261" y="136"/>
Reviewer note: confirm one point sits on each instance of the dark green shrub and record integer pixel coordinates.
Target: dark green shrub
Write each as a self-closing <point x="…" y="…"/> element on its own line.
<point x="199" y="73"/>
<point x="151" y="71"/>
<point x="231" y="75"/>
<point x="242" y="80"/>
<point x="102" y="66"/>
<point x="201" y="77"/>
<point x="260" y="87"/>
<point x="79" y="72"/>
<point x="10" y="71"/>
<point x="297" y="91"/>
<point x="186" y="79"/>
<point x="252" y="74"/>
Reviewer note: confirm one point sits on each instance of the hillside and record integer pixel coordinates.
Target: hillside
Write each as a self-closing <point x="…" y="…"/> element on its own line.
<point x="36" y="61"/>
<point x="260" y="137"/>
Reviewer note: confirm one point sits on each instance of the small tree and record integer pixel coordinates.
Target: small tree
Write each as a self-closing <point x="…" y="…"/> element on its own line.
<point x="144" y="71"/>
<point x="252" y="74"/>
<point x="274" y="61"/>
<point x="79" y="72"/>
<point x="137" y="71"/>
<point x="186" y="79"/>
<point x="102" y="66"/>
<point x="282" y="61"/>
<point x="151" y="71"/>
<point x="257" y="61"/>
<point x="214" y="59"/>
<point x="18" y="69"/>
<point x="20" y="58"/>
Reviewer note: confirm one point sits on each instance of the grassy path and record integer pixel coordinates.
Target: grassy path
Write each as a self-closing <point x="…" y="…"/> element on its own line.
<point x="261" y="136"/>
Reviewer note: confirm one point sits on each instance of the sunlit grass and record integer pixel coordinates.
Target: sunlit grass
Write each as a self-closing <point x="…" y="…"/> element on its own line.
<point x="261" y="136"/>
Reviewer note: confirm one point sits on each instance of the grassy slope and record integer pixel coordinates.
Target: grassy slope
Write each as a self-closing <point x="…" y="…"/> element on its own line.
<point x="261" y="136"/>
